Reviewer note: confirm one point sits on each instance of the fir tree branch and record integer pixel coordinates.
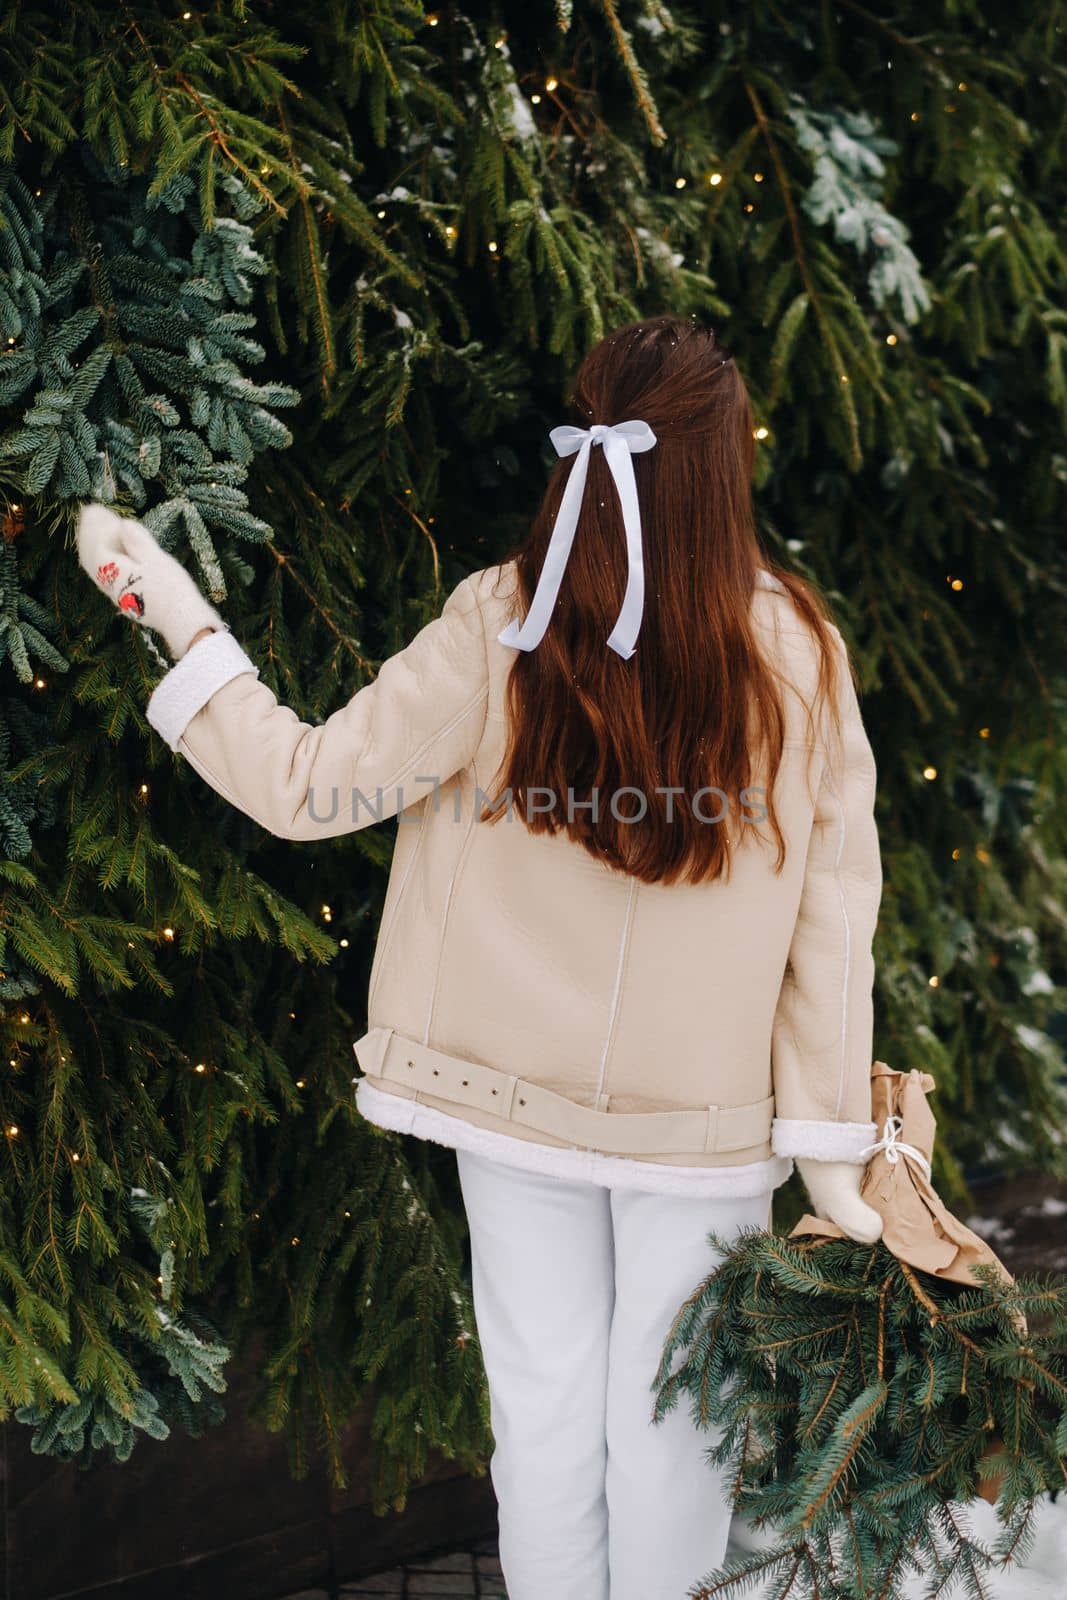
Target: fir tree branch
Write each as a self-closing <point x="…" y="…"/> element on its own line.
<point x="218" y="137"/>
<point x="285" y="562"/>
<point x="836" y="362"/>
<point x="634" y="72"/>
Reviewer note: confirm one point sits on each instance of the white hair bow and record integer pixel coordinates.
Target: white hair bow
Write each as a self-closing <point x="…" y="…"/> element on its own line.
<point x="619" y="443"/>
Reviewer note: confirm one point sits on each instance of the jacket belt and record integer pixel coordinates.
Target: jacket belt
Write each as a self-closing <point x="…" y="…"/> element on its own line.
<point x="384" y="1053"/>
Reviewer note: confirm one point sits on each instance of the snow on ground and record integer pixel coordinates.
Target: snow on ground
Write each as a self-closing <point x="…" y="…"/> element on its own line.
<point x="1041" y="1576"/>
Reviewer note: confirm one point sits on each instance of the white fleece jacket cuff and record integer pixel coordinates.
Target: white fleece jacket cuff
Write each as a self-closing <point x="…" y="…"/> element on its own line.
<point x="822" y="1141"/>
<point x="190" y="683"/>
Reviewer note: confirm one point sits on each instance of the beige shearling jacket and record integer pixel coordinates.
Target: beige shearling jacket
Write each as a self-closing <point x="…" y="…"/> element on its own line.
<point x="531" y="1003"/>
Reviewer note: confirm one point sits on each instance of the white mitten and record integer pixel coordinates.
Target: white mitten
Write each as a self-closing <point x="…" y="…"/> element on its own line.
<point x="834" y="1187"/>
<point x="126" y="563"/>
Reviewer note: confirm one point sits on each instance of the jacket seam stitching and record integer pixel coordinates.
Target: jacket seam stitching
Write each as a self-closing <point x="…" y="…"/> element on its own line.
<point x="414" y="759"/>
<point x="471" y="767"/>
<point x="624" y="956"/>
<point x="385" y="934"/>
<point x="203" y="770"/>
<point x="443" y="936"/>
<point x="482" y="693"/>
<point x="846" y="974"/>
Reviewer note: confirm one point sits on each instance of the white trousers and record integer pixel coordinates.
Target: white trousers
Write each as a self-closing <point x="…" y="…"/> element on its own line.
<point x="575" y="1287"/>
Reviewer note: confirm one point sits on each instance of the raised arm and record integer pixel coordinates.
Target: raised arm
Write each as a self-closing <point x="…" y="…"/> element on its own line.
<point x="418" y="723"/>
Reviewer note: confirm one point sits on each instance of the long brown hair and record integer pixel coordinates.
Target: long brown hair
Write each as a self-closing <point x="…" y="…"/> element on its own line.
<point x="697" y="700"/>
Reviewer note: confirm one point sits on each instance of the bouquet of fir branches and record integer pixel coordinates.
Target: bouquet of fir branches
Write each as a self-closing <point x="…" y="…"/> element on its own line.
<point x="860" y="1396"/>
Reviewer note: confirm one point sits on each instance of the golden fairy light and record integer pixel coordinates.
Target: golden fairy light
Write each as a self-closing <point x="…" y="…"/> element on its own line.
<point x="930" y="773"/>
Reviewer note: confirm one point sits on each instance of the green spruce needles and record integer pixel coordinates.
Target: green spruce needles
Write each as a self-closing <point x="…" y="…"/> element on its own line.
<point x="858" y="1404"/>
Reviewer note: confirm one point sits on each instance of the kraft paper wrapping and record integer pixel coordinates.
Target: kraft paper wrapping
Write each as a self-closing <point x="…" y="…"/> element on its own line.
<point x="917" y="1227"/>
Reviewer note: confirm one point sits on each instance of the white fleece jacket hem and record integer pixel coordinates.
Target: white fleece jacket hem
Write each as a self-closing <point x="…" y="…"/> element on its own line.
<point x="190" y="683"/>
<point x="822" y="1141"/>
<point x="402" y="1115"/>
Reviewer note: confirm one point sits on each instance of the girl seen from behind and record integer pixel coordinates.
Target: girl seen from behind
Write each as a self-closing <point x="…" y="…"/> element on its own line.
<point x="624" y="966"/>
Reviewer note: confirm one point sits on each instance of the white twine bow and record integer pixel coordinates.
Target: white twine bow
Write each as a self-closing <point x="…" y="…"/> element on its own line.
<point x="619" y="443"/>
<point x="895" y="1147"/>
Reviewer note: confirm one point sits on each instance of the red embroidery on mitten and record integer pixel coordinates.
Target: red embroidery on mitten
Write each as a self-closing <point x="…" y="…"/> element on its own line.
<point x="108" y="572"/>
<point x="132" y="603"/>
